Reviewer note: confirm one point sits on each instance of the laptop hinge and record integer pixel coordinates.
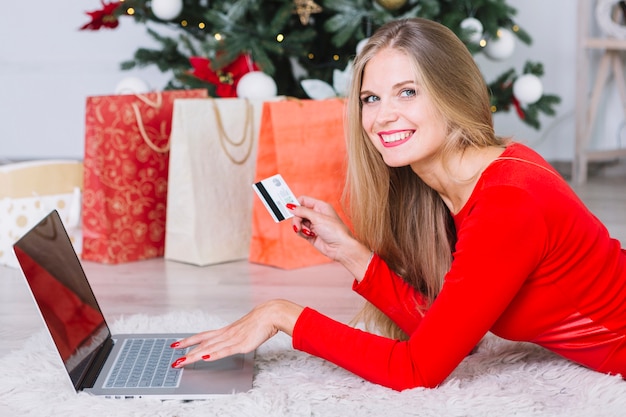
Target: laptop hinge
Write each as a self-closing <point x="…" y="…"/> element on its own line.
<point x="89" y="379"/>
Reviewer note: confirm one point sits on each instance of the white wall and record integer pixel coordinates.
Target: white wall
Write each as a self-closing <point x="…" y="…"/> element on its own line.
<point x="553" y="32"/>
<point x="48" y="67"/>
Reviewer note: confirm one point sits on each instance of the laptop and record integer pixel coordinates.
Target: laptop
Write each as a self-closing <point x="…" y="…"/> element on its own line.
<point x="96" y="361"/>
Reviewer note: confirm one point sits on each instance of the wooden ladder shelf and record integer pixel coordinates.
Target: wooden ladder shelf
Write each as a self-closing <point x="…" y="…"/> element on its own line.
<point x="610" y="65"/>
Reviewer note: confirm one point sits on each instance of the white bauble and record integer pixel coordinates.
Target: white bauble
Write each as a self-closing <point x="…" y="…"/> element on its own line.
<point x="502" y="46"/>
<point x="527" y="88"/>
<point x="360" y="45"/>
<point x="473" y="25"/>
<point x="256" y="85"/>
<point x="166" y="9"/>
<point x="132" y="85"/>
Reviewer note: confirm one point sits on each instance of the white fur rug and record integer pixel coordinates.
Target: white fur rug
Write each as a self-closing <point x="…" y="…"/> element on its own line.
<point x="500" y="379"/>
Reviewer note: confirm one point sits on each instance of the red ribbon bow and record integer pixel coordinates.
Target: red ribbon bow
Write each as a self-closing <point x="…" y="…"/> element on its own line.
<point x="226" y="78"/>
<point x="103" y="18"/>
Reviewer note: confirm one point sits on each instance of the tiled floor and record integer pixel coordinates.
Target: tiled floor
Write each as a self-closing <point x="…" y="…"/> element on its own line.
<point x="231" y="289"/>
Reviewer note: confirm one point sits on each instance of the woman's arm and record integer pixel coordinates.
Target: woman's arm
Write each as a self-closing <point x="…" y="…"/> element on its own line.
<point x="398" y="300"/>
<point x="496" y="253"/>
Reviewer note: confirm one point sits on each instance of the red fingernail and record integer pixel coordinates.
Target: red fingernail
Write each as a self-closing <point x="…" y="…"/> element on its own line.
<point x="178" y="361"/>
<point x="175" y="345"/>
<point x="308" y="233"/>
<point x="295" y="228"/>
<point x="291" y="206"/>
<point x="205" y="357"/>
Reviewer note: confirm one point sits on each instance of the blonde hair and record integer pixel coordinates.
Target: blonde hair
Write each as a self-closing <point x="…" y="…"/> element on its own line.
<point x="392" y="210"/>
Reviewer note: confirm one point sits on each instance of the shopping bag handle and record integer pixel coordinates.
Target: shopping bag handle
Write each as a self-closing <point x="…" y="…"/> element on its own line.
<point x="142" y="130"/>
<point x="248" y="133"/>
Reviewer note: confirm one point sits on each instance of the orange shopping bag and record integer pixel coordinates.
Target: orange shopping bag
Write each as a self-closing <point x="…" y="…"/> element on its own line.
<point x="126" y="171"/>
<point x="303" y="140"/>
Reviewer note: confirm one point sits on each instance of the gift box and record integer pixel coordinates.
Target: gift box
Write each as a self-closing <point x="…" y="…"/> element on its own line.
<point x="126" y="173"/>
<point x="29" y="191"/>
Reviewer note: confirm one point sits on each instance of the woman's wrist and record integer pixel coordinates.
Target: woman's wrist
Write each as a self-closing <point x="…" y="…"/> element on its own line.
<point x="356" y="259"/>
<point x="285" y="315"/>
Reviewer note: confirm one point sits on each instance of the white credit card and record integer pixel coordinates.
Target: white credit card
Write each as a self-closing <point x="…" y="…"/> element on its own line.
<point x="275" y="195"/>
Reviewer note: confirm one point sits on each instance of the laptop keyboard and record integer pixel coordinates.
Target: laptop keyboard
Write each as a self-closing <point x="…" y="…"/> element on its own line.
<point x="146" y="363"/>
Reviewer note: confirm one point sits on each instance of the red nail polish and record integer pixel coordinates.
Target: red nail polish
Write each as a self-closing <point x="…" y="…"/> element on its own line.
<point x="175" y="345"/>
<point x="295" y="228"/>
<point x="178" y="361"/>
<point x="291" y="206"/>
<point x="308" y="233"/>
<point x="205" y="357"/>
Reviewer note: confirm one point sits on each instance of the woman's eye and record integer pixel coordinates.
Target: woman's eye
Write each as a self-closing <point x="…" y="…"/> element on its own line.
<point x="409" y="92"/>
<point x="369" y="99"/>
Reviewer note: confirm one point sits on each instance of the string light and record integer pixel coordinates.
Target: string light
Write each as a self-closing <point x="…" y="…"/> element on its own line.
<point x="515" y="28"/>
<point x="494" y="109"/>
<point x="280" y="37"/>
<point x="335" y="57"/>
<point x="218" y="36"/>
<point x="311" y="55"/>
<point x="482" y="43"/>
<point x="184" y="23"/>
<point x="201" y="25"/>
<point x="130" y="11"/>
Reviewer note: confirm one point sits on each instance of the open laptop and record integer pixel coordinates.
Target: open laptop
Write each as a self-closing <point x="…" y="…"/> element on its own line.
<point x="90" y="353"/>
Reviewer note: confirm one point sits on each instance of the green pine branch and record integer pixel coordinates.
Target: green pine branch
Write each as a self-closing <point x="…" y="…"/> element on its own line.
<point x="276" y="40"/>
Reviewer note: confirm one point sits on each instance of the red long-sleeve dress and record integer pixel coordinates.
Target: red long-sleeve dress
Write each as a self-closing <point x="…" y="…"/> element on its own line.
<point x="531" y="263"/>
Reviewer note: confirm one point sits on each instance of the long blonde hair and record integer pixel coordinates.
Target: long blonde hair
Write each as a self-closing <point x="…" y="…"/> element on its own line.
<point x="392" y="210"/>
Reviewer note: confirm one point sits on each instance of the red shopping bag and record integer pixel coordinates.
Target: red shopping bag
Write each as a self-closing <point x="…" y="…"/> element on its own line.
<point x="125" y="175"/>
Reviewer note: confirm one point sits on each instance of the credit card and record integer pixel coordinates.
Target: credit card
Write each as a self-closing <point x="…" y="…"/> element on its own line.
<point x="275" y="195"/>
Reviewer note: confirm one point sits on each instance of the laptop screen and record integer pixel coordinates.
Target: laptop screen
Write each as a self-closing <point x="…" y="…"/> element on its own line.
<point x="62" y="293"/>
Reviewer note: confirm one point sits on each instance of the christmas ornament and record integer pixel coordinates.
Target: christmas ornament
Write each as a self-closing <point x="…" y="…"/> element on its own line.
<point x="611" y="17"/>
<point x="103" y="18"/>
<point x="226" y="78"/>
<point x="305" y="8"/>
<point x="527" y="88"/>
<point x="500" y="47"/>
<point x="256" y="85"/>
<point x="474" y="27"/>
<point x="166" y="9"/>
<point x="391" y="5"/>
<point x="132" y="85"/>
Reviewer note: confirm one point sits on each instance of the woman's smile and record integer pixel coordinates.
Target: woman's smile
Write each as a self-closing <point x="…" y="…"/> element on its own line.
<point x="395" y="137"/>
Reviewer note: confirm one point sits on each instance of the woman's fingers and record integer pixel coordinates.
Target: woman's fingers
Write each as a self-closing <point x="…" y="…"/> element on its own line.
<point x="242" y="336"/>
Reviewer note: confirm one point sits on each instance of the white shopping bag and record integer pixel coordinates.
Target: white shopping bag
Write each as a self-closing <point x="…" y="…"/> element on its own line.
<point x="213" y="148"/>
<point x="29" y="191"/>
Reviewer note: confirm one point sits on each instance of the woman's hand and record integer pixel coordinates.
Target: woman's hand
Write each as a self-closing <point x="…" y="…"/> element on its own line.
<point x="319" y="223"/>
<point x="242" y="336"/>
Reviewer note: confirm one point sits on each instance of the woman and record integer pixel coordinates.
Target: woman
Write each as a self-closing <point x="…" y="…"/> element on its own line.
<point x="456" y="232"/>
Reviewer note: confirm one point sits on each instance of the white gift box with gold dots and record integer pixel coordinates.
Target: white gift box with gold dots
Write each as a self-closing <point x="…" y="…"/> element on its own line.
<point x="29" y="191"/>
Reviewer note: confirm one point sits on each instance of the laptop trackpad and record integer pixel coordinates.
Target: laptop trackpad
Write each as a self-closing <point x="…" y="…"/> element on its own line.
<point x="227" y="364"/>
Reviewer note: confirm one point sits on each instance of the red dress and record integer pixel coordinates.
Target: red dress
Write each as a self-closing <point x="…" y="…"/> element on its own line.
<point x="531" y="263"/>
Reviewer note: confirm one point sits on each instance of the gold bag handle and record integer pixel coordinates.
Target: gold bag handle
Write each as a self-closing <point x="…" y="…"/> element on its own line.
<point x="248" y="133"/>
<point x="142" y="130"/>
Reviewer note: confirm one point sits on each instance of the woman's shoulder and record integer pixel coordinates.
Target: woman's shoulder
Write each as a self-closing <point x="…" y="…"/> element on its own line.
<point x="519" y="162"/>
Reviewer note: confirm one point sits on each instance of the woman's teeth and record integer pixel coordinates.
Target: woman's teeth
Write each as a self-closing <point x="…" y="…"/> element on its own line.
<point x="396" y="137"/>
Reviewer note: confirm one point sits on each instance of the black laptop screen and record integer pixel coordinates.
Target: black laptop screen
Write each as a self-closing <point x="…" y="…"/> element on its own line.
<point x="62" y="293"/>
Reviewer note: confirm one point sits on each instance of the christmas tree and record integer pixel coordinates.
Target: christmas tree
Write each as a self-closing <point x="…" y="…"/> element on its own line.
<point x="305" y="44"/>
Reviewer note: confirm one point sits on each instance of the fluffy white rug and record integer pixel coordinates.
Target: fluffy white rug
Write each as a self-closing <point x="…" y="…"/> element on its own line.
<point x="500" y="379"/>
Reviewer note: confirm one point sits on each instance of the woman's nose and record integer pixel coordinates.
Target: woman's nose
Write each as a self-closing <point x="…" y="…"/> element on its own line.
<point x="387" y="112"/>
